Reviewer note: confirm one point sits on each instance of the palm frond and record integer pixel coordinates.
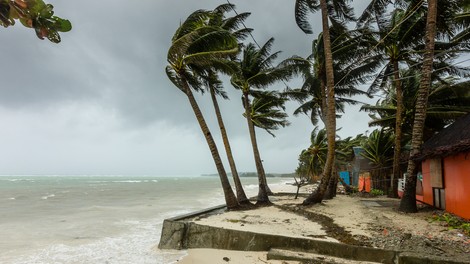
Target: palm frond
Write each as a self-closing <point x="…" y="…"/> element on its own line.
<point x="302" y="10"/>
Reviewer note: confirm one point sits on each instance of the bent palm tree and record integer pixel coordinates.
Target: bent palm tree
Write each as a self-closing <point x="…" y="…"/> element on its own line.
<point x="193" y="46"/>
<point x="231" y="24"/>
<point x="255" y="71"/>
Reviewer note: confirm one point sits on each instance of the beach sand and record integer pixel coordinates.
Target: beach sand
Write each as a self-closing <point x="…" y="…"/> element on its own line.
<point x="216" y="256"/>
<point x="360" y="217"/>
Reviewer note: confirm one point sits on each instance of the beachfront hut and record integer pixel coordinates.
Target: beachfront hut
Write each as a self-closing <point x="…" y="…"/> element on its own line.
<point x="446" y="169"/>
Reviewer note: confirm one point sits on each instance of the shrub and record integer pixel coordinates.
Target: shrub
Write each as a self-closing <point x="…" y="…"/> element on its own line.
<point x="376" y="192"/>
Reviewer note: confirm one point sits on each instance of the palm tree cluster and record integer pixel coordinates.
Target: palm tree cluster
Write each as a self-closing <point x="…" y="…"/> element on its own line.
<point x="405" y="51"/>
<point x="207" y="44"/>
<point x="392" y="41"/>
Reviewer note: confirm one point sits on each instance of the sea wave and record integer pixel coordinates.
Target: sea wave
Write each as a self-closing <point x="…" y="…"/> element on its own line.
<point x="45" y="197"/>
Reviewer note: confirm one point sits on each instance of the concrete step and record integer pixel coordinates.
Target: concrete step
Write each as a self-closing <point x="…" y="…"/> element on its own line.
<point x="282" y="254"/>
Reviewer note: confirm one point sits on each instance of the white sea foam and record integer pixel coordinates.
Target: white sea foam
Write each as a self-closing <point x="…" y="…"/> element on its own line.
<point x="45" y="197"/>
<point x="127" y="181"/>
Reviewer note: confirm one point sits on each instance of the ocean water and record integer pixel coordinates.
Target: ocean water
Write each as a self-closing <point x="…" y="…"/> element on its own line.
<point x="98" y="219"/>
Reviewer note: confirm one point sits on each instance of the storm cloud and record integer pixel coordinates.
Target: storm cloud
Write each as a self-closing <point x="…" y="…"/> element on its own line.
<point x="100" y="103"/>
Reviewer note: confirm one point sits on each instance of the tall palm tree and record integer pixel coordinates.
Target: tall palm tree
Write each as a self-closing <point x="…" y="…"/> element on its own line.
<point x="408" y="201"/>
<point x="397" y="36"/>
<point x="195" y="45"/>
<point x="214" y="85"/>
<point x="341" y="11"/>
<point x="268" y="113"/>
<point x="312" y="94"/>
<point x="255" y="71"/>
<point x="400" y="40"/>
<point x="216" y="89"/>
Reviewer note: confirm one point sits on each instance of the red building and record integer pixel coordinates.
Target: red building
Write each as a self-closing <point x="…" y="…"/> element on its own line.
<point x="446" y="169"/>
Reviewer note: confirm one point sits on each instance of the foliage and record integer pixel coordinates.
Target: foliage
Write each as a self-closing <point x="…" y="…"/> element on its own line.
<point x="448" y="100"/>
<point x="312" y="94"/>
<point x="452" y="222"/>
<point x="199" y="44"/>
<point x="339" y="11"/>
<point x="34" y="14"/>
<point x="267" y="111"/>
<point x="378" y="148"/>
<point x="376" y="192"/>
<point x="312" y="160"/>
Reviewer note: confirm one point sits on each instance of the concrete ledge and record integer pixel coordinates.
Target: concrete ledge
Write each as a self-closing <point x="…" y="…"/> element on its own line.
<point x="413" y="258"/>
<point x="174" y="229"/>
<point x="200" y="236"/>
<point x="281" y="254"/>
<point x="182" y="233"/>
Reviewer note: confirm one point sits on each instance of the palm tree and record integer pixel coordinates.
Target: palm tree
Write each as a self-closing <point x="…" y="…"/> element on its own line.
<point x="400" y="41"/>
<point x="314" y="157"/>
<point x="448" y="100"/>
<point x="215" y="88"/>
<point x="311" y="95"/>
<point x="255" y="71"/>
<point x="193" y="46"/>
<point x="397" y="37"/>
<point x="342" y="11"/>
<point x="408" y="201"/>
<point x="268" y="111"/>
<point x="379" y="150"/>
<point x="214" y="85"/>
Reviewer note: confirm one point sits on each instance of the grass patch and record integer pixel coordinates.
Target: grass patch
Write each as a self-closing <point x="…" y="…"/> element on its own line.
<point x="452" y="222"/>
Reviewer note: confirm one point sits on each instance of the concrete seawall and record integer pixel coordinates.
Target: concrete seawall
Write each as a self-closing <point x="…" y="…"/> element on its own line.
<point x="183" y="233"/>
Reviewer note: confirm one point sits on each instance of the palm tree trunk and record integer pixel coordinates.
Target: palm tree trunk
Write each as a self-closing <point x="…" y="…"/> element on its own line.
<point x="230" y="199"/>
<point x="323" y="101"/>
<point x="262" y="198"/>
<point x="408" y="201"/>
<point x="398" y="133"/>
<point x="317" y="195"/>
<point x="241" y="196"/>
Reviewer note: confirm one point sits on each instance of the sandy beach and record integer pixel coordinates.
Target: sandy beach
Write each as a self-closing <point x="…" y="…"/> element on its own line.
<point x="372" y="221"/>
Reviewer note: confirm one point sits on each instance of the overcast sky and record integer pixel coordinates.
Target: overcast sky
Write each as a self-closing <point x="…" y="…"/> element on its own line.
<point x="100" y="103"/>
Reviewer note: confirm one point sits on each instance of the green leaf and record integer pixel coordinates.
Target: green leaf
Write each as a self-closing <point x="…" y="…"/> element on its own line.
<point x="62" y="25"/>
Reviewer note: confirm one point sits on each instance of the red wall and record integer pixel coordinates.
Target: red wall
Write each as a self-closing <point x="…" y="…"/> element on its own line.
<point x="456" y="184"/>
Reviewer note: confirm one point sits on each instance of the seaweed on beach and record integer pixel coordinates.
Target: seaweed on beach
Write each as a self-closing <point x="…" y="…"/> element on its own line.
<point x="332" y="230"/>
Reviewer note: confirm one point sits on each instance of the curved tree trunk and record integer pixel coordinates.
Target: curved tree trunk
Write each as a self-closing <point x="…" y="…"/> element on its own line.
<point x="241" y="196"/>
<point x="408" y="201"/>
<point x="398" y="133"/>
<point x="263" y="198"/>
<point x="230" y="199"/>
<point x="317" y="195"/>
<point x="332" y="186"/>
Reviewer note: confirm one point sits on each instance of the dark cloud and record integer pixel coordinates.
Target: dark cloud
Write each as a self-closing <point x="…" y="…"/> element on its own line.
<point x="100" y="102"/>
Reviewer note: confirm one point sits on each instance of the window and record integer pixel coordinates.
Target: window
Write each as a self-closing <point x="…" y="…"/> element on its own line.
<point x="439" y="198"/>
